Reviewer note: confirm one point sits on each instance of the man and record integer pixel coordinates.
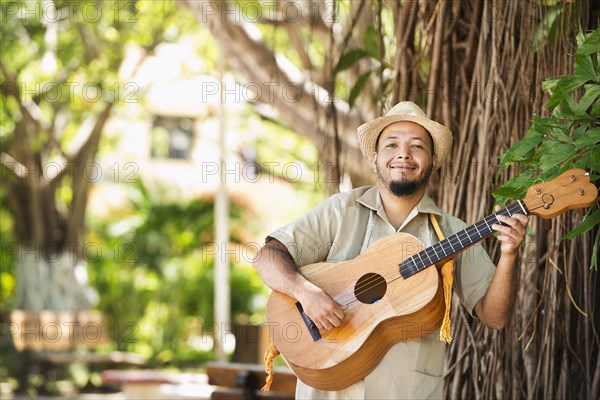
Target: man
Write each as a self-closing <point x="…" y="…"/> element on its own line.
<point x="404" y="147"/>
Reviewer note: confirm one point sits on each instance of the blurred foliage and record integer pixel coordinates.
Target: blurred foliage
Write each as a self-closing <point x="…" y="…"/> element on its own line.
<point x="155" y="268"/>
<point x="157" y="275"/>
<point x="67" y="57"/>
<point x="7" y="254"/>
<point x="296" y="158"/>
<point x="568" y="138"/>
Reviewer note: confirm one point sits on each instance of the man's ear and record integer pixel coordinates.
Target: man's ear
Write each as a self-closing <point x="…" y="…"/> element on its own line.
<point x="435" y="161"/>
<point x="374" y="162"/>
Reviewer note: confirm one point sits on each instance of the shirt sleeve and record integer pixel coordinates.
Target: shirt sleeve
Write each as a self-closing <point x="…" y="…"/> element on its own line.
<point x="473" y="271"/>
<point x="310" y="238"/>
<point x="473" y="276"/>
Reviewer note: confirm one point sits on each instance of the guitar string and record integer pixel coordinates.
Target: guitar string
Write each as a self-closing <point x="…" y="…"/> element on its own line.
<point x="398" y="277"/>
<point x="412" y="265"/>
<point x="368" y="284"/>
<point x="365" y="287"/>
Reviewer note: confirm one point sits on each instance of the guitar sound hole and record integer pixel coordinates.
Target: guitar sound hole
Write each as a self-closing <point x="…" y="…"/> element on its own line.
<point x="370" y="288"/>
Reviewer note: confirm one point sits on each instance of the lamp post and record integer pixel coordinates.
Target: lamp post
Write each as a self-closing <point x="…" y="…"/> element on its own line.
<point x="222" y="289"/>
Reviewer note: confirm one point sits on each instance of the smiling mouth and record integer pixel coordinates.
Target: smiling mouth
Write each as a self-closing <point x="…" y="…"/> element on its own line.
<point x="404" y="167"/>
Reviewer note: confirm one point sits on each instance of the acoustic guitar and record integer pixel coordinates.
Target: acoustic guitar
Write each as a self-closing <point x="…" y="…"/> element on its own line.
<point x="392" y="292"/>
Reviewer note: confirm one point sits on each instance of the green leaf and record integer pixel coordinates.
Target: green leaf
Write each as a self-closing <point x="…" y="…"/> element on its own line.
<point x="564" y="87"/>
<point x="580" y="132"/>
<point x="350" y="58"/>
<point x="358" y="87"/>
<point x="590" y="138"/>
<point x="588" y="222"/>
<point x="519" y="150"/>
<point x="591" y="44"/>
<point x="591" y="160"/>
<point x="514" y="188"/>
<point x="572" y="111"/>
<point x="509" y="192"/>
<point x="371" y="43"/>
<point x="528" y="143"/>
<point x="561" y="132"/>
<point x="549" y="84"/>
<point x="546" y="30"/>
<point x="555" y="153"/>
<point x="591" y="94"/>
<point x="595" y="113"/>
<point x="584" y="68"/>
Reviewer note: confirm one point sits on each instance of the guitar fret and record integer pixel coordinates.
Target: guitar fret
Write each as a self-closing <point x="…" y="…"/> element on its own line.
<point x="421" y="259"/>
<point x="475" y="230"/>
<point x="450" y="243"/>
<point x="488" y="225"/>
<point x="471" y="241"/>
<point x="485" y="229"/>
<point x="418" y="262"/>
<point x="427" y="254"/>
<point x="415" y="262"/>
<point x="443" y="249"/>
<point x="436" y="254"/>
<point x="479" y="233"/>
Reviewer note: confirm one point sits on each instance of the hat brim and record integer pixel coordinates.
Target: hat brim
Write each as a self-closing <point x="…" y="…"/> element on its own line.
<point x="368" y="133"/>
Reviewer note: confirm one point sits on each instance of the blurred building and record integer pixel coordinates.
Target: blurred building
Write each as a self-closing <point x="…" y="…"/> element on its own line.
<point x="166" y="133"/>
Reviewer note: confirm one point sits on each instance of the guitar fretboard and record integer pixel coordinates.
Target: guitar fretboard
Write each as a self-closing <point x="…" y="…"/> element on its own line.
<point x="459" y="241"/>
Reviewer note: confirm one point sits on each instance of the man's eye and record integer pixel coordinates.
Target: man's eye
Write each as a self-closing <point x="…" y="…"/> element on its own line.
<point x="418" y="146"/>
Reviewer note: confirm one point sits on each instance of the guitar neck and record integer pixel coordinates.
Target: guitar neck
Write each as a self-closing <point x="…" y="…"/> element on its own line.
<point x="456" y="243"/>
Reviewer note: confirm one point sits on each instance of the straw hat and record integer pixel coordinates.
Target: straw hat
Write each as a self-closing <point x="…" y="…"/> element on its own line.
<point x="405" y="111"/>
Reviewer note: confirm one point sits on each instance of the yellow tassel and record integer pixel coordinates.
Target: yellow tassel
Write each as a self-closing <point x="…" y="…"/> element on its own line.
<point x="447" y="280"/>
<point x="270" y="355"/>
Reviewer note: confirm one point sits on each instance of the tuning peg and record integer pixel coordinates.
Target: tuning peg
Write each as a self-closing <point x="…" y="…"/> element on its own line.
<point x="580" y="191"/>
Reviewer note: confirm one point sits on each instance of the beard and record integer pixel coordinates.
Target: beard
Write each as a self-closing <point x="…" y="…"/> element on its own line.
<point x="404" y="187"/>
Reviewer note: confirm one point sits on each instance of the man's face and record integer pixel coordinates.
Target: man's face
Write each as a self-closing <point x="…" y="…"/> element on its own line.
<point x="404" y="158"/>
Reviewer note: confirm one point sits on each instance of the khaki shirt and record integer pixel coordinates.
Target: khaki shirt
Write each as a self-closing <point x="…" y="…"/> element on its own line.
<point x="342" y="227"/>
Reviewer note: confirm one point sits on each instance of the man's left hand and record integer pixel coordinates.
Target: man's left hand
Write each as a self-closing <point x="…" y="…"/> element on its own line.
<point x="512" y="233"/>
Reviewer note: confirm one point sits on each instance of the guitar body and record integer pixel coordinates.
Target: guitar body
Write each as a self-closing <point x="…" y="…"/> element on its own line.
<point x="381" y="309"/>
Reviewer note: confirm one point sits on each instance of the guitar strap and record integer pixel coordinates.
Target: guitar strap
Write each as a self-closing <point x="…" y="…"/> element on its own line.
<point x="447" y="280"/>
<point x="445" y="334"/>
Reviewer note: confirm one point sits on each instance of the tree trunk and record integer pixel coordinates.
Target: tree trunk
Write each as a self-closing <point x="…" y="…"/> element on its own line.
<point x="50" y="249"/>
<point x="57" y="283"/>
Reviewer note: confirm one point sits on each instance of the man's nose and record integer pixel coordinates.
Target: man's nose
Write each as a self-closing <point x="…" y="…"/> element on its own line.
<point x="403" y="152"/>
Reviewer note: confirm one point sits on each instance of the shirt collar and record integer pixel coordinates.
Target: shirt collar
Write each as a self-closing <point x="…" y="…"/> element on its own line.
<point x="372" y="200"/>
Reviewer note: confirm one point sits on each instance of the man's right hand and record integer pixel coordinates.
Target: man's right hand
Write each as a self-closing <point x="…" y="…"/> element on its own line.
<point x="325" y="312"/>
<point x="276" y="267"/>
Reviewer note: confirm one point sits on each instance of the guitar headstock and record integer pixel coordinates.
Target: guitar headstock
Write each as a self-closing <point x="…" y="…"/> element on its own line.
<point x="572" y="189"/>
